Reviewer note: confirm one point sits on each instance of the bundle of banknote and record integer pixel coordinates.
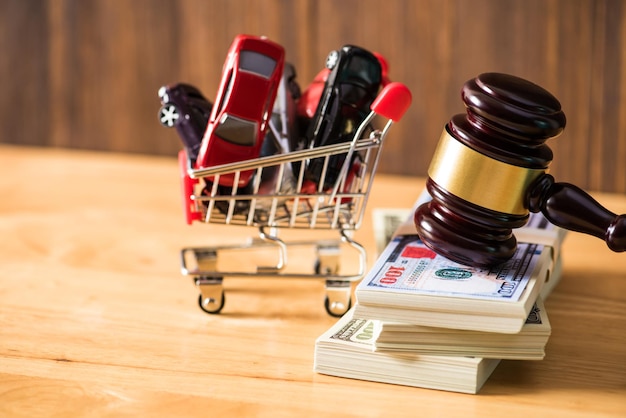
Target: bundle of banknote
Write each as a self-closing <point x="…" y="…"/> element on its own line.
<point x="417" y="311"/>
<point x="347" y="350"/>
<point x="409" y="283"/>
<point x="528" y="344"/>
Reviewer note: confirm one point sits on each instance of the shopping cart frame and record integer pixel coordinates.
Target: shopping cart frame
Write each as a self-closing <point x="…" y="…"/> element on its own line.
<point x="286" y="204"/>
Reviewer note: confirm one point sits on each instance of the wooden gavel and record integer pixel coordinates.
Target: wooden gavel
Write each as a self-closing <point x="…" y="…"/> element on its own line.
<point x="490" y="170"/>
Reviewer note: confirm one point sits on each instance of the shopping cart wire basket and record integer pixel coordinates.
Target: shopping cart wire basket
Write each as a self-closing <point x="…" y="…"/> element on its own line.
<point x="279" y="197"/>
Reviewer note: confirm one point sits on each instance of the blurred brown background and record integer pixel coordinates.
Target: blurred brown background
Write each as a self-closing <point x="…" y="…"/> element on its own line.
<point x="85" y="73"/>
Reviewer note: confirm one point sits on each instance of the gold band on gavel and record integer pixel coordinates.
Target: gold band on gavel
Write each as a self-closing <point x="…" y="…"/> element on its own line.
<point x="480" y="179"/>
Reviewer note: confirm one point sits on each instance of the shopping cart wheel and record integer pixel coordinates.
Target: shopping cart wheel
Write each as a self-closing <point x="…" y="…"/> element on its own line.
<point x="338" y="299"/>
<point x="211" y="299"/>
<point x="336" y="310"/>
<point x="211" y="306"/>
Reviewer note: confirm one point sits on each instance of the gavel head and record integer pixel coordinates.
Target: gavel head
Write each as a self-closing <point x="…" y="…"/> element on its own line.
<point x="481" y="171"/>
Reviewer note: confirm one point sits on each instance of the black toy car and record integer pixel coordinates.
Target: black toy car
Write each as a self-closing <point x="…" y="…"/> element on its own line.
<point x="185" y="108"/>
<point x="353" y="83"/>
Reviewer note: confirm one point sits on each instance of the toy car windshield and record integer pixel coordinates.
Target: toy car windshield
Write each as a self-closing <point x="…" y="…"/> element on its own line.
<point x="355" y="89"/>
<point x="257" y="63"/>
<point x="361" y="69"/>
<point x="236" y="130"/>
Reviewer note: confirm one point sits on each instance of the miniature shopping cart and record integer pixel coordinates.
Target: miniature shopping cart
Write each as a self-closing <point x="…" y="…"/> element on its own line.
<point x="277" y="198"/>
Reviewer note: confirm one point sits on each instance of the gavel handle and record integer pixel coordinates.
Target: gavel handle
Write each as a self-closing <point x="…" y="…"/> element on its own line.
<point x="569" y="207"/>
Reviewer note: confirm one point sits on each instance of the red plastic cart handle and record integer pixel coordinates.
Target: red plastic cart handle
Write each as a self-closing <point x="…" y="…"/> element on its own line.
<point x="393" y="101"/>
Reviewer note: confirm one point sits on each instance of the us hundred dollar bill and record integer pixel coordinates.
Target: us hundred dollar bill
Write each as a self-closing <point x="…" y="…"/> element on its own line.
<point x="408" y="266"/>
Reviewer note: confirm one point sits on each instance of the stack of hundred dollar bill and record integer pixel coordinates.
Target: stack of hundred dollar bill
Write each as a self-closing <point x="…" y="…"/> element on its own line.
<point x="423" y="320"/>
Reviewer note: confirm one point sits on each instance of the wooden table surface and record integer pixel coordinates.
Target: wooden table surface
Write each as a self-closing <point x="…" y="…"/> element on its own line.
<point x="97" y="320"/>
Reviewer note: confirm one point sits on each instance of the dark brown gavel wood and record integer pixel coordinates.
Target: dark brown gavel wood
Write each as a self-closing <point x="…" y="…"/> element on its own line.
<point x="490" y="170"/>
<point x="569" y="207"/>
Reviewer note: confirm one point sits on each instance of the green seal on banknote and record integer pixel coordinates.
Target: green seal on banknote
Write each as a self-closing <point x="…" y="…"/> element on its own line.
<point x="453" y="274"/>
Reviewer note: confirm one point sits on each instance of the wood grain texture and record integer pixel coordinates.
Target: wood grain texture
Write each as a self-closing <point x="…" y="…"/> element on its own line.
<point x="84" y="74"/>
<point x="96" y="320"/>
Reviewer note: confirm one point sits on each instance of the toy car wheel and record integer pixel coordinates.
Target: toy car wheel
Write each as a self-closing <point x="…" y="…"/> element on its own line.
<point x="211" y="306"/>
<point x="331" y="59"/>
<point x="333" y="311"/>
<point x="169" y="115"/>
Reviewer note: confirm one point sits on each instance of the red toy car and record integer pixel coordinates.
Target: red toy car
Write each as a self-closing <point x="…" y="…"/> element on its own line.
<point x="240" y="115"/>
<point x="307" y="105"/>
